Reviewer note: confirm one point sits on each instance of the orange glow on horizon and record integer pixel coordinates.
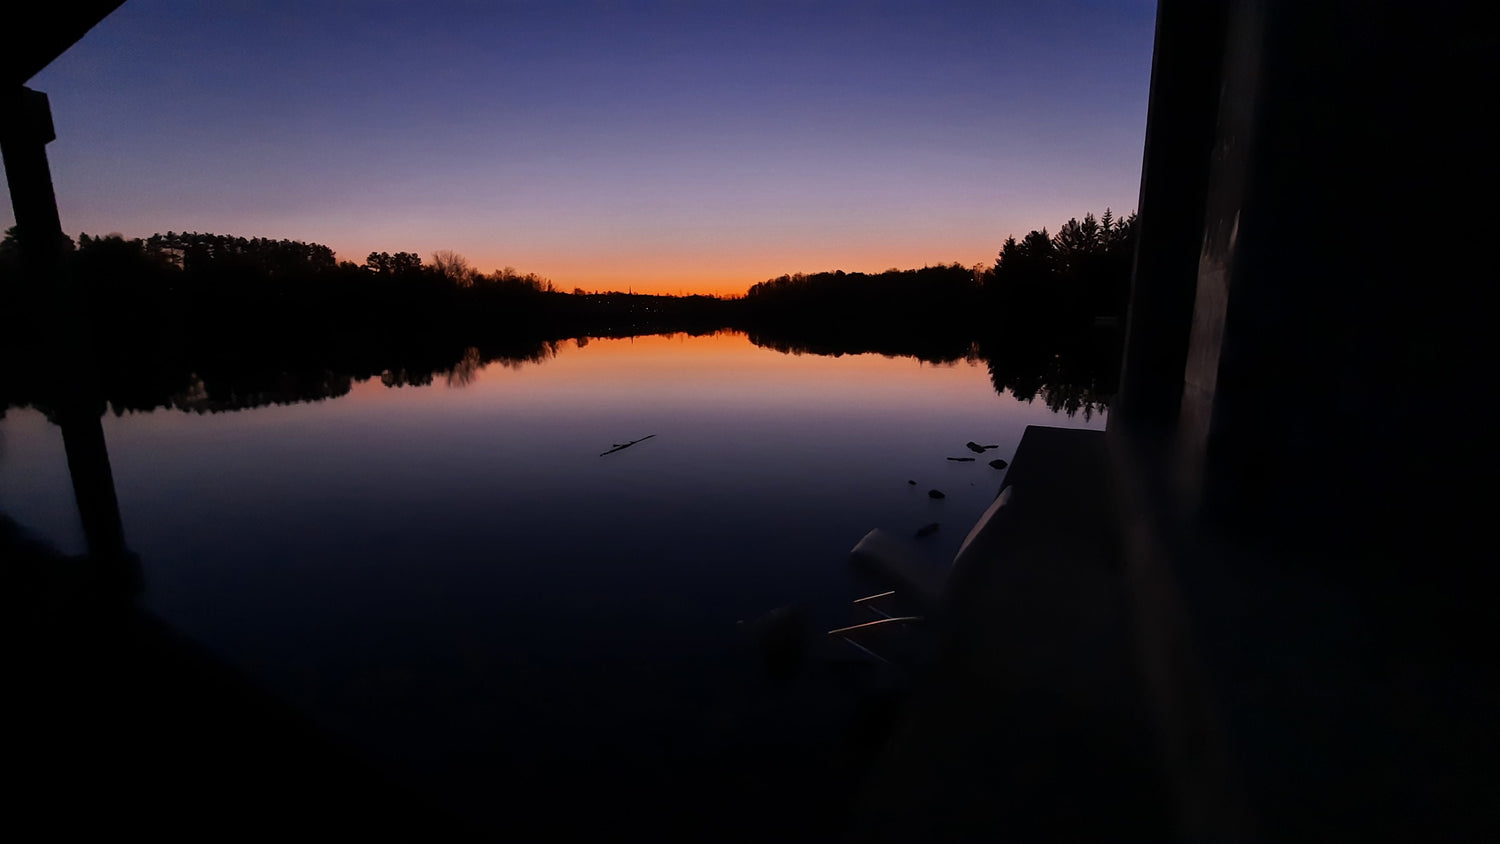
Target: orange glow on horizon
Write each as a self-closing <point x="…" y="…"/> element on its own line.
<point x="720" y="278"/>
<point x="637" y="358"/>
<point x="726" y="275"/>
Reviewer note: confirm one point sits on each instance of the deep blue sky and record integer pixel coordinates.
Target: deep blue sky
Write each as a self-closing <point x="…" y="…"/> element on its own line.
<point x="673" y="145"/>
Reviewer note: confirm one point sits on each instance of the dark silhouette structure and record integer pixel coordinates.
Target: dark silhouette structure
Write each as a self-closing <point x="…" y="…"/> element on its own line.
<point x="25" y="131"/>
<point x="1296" y="517"/>
<point x="1283" y="519"/>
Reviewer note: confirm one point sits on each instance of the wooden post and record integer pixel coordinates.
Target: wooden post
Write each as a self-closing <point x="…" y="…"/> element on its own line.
<point x="25" y="130"/>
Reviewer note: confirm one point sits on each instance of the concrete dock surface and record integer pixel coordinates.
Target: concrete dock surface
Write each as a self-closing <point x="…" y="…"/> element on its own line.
<point x="1030" y="723"/>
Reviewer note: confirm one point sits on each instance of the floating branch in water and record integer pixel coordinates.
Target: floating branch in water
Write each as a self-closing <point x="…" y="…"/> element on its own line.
<point x="977" y="448"/>
<point x="619" y="446"/>
<point x="962" y="459"/>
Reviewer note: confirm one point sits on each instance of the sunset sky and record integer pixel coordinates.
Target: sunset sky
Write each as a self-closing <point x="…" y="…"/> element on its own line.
<point x="665" y="147"/>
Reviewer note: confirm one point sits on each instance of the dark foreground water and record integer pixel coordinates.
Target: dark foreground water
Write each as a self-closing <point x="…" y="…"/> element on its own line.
<point x="454" y="580"/>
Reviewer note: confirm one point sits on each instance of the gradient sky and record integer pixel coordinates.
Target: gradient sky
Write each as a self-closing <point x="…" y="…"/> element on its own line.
<point x="671" y="147"/>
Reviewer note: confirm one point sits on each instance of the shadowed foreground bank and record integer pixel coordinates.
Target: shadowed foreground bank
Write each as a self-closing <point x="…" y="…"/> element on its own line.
<point x="117" y="722"/>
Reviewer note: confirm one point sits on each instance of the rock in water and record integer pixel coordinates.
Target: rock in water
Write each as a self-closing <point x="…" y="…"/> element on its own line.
<point x="933" y="493"/>
<point x="927" y="530"/>
<point x="974" y="447"/>
<point x="999" y="464"/>
<point x="780" y="636"/>
<point x="911" y="483"/>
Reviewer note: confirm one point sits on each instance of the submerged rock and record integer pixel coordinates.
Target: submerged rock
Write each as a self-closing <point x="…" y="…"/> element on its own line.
<point x="911" y="483"/>
<point x="933" y="493"/>
<point x="780" y="637"/>
<point x="999" y="464"/>
<point x="927" y="529"/>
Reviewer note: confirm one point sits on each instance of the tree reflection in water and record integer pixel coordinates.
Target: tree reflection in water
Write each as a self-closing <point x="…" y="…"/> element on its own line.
<point x="1073" y="376"/>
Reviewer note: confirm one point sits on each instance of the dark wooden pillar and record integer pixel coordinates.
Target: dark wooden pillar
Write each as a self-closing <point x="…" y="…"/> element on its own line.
<point x="25" y="130"/>
<point x="1185" y="75"/>
<point x="1299" y="443"/>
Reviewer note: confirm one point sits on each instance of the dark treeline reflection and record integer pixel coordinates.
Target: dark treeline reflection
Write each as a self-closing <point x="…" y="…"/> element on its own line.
<point x="1079" y="373"/>
<point x="932" y="313"/>
<point x="208" y="323"/>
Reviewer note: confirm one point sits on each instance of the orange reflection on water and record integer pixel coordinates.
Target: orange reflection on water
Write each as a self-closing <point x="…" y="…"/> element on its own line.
<point x="647" y="359"/>
<point x="680" y="368"/>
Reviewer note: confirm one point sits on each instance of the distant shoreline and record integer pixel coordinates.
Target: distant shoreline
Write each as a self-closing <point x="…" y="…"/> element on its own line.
<point x="233" y="322"/>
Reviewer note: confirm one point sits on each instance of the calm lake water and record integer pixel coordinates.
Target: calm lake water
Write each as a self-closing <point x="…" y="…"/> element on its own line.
<point x="454" y="579"/>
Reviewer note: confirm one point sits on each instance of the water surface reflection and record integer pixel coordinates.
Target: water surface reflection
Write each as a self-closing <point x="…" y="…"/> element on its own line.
<point x="451" y="576"/>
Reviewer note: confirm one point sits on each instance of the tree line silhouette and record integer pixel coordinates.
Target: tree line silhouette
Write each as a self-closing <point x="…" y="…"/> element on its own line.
<point x="209" y="322"/>
<point x="1080" y="273"/>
